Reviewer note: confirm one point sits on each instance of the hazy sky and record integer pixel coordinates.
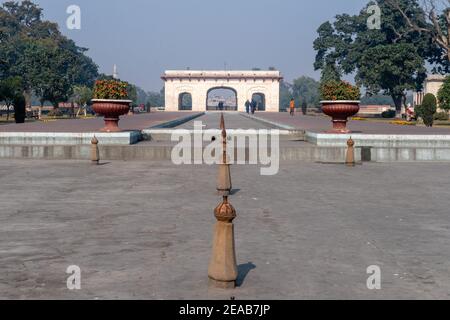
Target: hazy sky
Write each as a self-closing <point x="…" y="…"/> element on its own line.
<point x="146" y="37"/>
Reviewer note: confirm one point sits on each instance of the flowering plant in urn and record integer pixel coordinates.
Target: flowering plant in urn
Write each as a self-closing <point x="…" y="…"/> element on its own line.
<point x="340" y="100"/>
<point x="111" y="101"/>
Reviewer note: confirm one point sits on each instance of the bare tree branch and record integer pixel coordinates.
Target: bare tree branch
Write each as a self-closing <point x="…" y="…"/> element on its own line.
<point x="440" y="37"/>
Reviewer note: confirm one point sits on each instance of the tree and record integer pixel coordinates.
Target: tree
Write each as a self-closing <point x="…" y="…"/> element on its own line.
<point x="10" y="88"/>
<point x="444" y="95"/>
<point x="330" y="73"/>
<point x="156" y="99"/>
<point x="285" y="95"/>
<point x="132" y="94"/>
<point x="434" y="22"/>
<point x="376" y="99"/>
<point x="390" y="60"/>
<point x="48" y="75"/>
<point x="306" y="89"/>
<point x="82" y="95"/>
<point x="48" y="62"/>
<point x="141" y="96"/>
<point x="397" y="70"/>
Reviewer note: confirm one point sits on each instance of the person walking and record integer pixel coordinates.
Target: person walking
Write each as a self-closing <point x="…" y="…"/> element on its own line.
<point x="253" y="106"/>
<point x="292" y="107"/>
<point x="247" y="106"/>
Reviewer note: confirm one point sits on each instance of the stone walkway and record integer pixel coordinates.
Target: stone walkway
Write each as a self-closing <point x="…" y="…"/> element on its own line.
<point x="143" y="230"/>
<point x="322" y="123"/>
<point x="127" y="123"/>
<point x="233" y="120"/>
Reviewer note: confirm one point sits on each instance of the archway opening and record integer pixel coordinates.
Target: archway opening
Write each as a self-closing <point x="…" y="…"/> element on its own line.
<point x="221" y="98"/>
<point x="185" y="101"/>
<point x="260" y="100"/>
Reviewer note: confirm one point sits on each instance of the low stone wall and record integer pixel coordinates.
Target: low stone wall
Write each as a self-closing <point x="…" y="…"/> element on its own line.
<point x="379" y="140"/>
<point x="68" y="138"/>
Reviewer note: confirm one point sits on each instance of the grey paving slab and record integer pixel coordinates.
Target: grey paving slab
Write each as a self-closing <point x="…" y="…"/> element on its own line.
<point x="143" y="230"/>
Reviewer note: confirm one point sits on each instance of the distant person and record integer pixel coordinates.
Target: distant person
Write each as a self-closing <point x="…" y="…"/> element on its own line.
<point x="247" y="106"/>
<point x="292" y="107"/>
<point x="253" y="105"/>
<point x="220" y="105"/>
<point x="304" y="108"/>
<point x="410" y="114"/>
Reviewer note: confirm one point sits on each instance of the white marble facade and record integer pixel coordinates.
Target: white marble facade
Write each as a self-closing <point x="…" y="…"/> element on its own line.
<point x="243" y="83"/>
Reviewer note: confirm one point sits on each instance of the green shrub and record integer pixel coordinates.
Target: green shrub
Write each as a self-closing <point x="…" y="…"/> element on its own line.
<point x="339" y="90"/>
<point x="428" y="109"/>
<point x="388" y="114"/>
<point x="441" y="116"/>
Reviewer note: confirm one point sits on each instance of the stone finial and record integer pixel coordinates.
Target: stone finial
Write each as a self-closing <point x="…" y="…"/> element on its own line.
<point x="224" y="138"/>
<point x="350" y="157"/>
<point x="225" y="212"/>
<point x="95" y="153"/>
<point x="350" y="142"/>
<point x="222" y="271"/>
<point x="224" y="185"/>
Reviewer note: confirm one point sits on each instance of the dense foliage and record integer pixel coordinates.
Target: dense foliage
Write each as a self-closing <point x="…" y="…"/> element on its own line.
<point x="444" y="95"/>
<point x="111" y="89"/>
<point x="390" y="60"/>
<point x="427" y="110"/>
<point x="10" y="88"/>
<point x="339" y="90"/>
<point x="48" y="63"/>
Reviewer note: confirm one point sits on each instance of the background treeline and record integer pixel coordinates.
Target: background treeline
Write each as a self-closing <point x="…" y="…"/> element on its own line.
<point x="45" y="67"/>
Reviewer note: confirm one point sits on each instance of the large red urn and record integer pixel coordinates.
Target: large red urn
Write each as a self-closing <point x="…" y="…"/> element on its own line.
<point x="340" y="111"/>
<point x="111" y="110"/>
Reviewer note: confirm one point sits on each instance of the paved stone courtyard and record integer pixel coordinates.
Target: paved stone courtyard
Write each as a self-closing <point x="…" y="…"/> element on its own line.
<point x="127" y="123"/>
<point x="143" y="230"/>
<point x="321" y="123"/>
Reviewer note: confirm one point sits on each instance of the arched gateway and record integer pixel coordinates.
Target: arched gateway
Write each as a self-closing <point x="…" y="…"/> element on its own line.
<point x="246" y="84"/>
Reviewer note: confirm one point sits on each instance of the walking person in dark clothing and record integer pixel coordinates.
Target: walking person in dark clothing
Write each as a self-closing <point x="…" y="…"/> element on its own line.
<point x="253" y="105"/>
<point x="247" y="106"/>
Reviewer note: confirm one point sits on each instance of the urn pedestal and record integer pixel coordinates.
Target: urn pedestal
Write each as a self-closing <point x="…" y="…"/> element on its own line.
<point x="340" y="111"/>
<point x="111" y="110"/>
